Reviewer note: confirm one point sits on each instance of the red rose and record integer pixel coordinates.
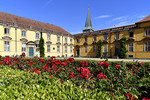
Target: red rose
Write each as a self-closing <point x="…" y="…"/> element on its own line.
<point x="79" y="69"/>
<point x="104" y="64"/>
<point x="101" y="76"/>
<point x="71" y="75"/>
<point x="145" y="99"/>
<point x="117" y="66"/>
<point x="141" y="63"/>
<point x="128" y="95"/>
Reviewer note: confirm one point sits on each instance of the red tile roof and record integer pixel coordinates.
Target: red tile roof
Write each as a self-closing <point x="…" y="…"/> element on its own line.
<point x="30" y="22"/>
<point x="145" y="19"/>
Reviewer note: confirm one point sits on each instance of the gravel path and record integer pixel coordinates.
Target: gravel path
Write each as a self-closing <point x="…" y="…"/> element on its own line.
<point x="109" y="59"/>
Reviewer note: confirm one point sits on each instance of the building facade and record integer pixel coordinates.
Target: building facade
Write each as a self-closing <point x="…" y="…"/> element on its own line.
<point x="138" y="40"/>
<point x="18" y="35"/>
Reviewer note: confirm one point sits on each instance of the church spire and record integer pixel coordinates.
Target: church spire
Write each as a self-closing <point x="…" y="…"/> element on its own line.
<point x="88" y="24"/>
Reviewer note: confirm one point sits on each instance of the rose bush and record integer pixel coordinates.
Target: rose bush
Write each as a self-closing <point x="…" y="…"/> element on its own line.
<point x="118" y="79"/>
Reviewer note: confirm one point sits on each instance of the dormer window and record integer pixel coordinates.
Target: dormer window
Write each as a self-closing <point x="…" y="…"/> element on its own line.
<point x="147" y="32"/>
<point x="131" y="34"/>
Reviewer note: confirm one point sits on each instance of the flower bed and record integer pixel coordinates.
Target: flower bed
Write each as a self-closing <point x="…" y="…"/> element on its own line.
<point x="123" y="79"/>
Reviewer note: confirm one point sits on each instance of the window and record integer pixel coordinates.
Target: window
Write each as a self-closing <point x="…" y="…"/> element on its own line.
<point x="37" y="47"/>
<point x="147" y="46"/>
<point x="58" y="49"/>
<point x="78" y="41"/>
<point x="71" y="49"/>
<point x="94" y="48"/>
<point x="23" y="46"/>
<point x="70" y="40"/>
<point x="94" y="38"/>
<point x="6" y="30"/>
<point x="85" y="49"/>
<point x="48" y="37"/>
<point x="23" y="33"/>
<point x="66" y="40"/>
<point x="130" y="47"/>
<point x="117" y="36"/>
<point x="58" y="39"/>
<point x="85" y="39"/>
<point x="131" y="34"/>
<point x="105" y="37"/>
<point x="48" y="48"/>
<point x="147" y="32"/>
<point x="130" y="56"/>
<point x="105" y="48"/>
<point x="37" y="35"/>
<point x="6" y="45"/>
<point x="65" y="49"/>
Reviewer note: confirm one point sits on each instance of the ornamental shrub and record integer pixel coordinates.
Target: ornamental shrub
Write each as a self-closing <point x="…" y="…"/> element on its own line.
<point x="41" y="46"/>
<point x="99" y="48"/>
<point x="123" y="49"/>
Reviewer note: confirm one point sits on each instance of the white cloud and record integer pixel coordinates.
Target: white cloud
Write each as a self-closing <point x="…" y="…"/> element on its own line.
<point x="142" y="16"/>
<point x="123" y="23"/>
<point x="102" y="16"/>
<point x="119" y="18"/>
<point x="47" y="3"/>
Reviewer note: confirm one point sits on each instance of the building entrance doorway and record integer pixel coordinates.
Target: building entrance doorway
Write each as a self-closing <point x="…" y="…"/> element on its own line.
<point x="31" y="52"/>
<point x="78" y="53"/>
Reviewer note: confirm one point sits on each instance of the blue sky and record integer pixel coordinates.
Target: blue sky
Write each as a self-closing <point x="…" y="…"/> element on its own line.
<point x="71" y="14"/>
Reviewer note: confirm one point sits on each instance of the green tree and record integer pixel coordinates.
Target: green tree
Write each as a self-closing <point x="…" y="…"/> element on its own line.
<point x="41" y="46"/>
<point x="99" y="50"/>
<point x="123" y="49"/>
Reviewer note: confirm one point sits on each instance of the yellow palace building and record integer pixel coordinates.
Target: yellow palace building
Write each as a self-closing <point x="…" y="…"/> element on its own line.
<point x="19" y="34"/>
<point x="138" y="40"/>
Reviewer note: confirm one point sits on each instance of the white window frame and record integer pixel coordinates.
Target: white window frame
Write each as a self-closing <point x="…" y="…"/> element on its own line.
<point x="48" y="48"/>
<point x="94" y="48"/>
<point x="131" y="32"/>
<point x="7" y="31"/>
<point x="48" y="37"/>
<point x="66" y="40"/>
<point x="23" y="33"/>
<point x="85" y="39"/>
<point x="104" y="48"/>
<point x="58" y="39"/>
<point x="147" y="32"/>
<point x="94" y="38"/>
<point x="85" y="49"/>
<point x="116" y="36"/>
<point x="78" y="41"/>
<point x="147" y="46"/>
<point x="65" y="49"/>
<point x="70" y="40"/>
<point x="130" y="45"/>
<point x="105" y="37"/>
<point x="37" y="35"/>
<point x="23" y="47"/>
<point x="71" y="49"/>
<point x="6" y="46"/>
<point x="58" y="49"/>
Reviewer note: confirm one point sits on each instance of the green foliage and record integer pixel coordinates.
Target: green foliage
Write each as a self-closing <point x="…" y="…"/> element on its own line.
<point x="123" y="49"/>
<point x="41" y="47"/>
<point x="18" y="85"/>
<point x="99" y="48"/>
